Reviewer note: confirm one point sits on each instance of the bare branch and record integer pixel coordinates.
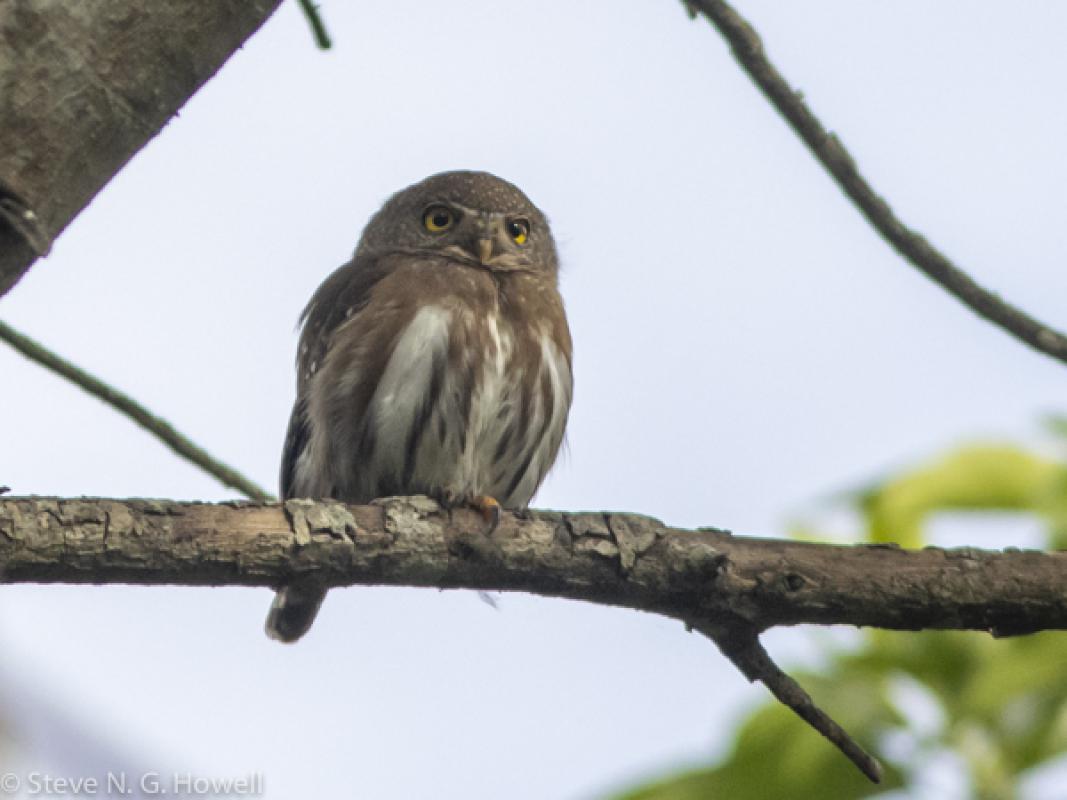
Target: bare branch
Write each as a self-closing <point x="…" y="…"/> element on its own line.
<point x="615" y="559"/>
<point x="129" y="407"/>
<point x="318" y="27"/>
<point x="742" y="646"/>
<point x="731" y="588"/>
<point x="831" y="153"/>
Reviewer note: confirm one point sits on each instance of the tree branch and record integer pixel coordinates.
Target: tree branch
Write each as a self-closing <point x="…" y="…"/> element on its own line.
<point x="127" y="406"/>
<point x="318" y="27"/>
<point x="730" y="588"/>
<point x="831" y="153"/>
<point x="742" y="646"/>
<point x="84" y="86"/>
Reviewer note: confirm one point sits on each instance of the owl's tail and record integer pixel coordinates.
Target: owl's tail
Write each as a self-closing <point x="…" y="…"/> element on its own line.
<point x="293" y="610"/>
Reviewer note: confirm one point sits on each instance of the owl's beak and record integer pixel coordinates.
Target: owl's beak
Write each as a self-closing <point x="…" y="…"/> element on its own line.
<point x="485" y="250"/>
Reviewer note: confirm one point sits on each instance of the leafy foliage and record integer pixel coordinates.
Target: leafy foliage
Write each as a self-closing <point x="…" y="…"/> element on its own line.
<point x="997" y="707"/>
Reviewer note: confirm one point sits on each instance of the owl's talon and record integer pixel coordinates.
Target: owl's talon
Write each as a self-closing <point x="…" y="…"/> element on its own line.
<point x="490" y="511"/>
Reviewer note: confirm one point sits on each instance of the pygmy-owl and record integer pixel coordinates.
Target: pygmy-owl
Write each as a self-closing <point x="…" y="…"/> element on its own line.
<point x="437" y="361"/>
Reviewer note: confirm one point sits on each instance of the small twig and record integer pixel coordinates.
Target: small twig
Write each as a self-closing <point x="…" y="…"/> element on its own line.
<point x="831" y="153"/>
<point x="740" y="643"/>
<point x="318" y="27"/>
<point x="159" y="428"/>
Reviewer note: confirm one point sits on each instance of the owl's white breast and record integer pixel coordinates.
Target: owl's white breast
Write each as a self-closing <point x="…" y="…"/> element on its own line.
<point x="431" y="434"/>
<point x="491" y="405"/>
<point x="405" y="384"/>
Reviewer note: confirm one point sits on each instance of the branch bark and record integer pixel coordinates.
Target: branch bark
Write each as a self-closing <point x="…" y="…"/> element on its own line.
<point x="83" y="87"/>
<point x="603" y="557"/>
<point x="730" y="588"/>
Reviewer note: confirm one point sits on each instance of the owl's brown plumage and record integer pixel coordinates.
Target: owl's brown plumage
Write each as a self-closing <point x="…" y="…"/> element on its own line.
<point x="437" y="361"/>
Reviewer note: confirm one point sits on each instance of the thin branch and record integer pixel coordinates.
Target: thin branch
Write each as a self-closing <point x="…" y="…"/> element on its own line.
<point x="742" y="646"/>
<point x="126" y="405"/>
<point x="318" y="27"/>
<point x="733" y="587"/>
<point x="831" y="153"/>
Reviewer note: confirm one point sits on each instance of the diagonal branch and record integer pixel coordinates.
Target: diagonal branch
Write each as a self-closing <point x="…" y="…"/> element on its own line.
<point x="831" y="153"/>
<point x="158" y="427"/>
<point x="742" y="646"/>
<point x="731" y="588"/>
<point x="318" y="27"/>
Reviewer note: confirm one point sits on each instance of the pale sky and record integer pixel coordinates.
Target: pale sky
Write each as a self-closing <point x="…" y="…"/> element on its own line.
<point x="744" y="346"/>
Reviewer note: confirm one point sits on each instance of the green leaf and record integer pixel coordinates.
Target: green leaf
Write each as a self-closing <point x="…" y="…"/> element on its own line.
<point x="978" y="477"/>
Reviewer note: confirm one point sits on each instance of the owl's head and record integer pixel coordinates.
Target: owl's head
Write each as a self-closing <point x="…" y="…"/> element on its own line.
<point x="471" y="217"/>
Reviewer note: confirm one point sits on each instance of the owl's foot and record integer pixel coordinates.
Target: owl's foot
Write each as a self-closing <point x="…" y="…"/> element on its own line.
<point x="489" y="509"/>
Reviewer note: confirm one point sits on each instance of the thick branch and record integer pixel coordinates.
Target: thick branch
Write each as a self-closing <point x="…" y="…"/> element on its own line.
<point x="615" y="559"/>
<point x="83" y="86"/>
<point x="730" y="588"/>
<point x="831" y="153"/>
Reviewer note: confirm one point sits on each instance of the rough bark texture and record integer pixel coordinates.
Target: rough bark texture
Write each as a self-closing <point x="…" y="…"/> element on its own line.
<point x="617" y="559"/>
<point x="83" y="86"/>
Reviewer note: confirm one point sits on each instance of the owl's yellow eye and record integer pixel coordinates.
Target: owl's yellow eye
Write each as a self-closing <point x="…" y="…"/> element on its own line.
<point x="518" y="230"/>
<point x="437" y="219"/>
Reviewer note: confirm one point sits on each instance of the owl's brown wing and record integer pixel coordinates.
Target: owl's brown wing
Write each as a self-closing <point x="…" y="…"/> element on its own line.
<point x="344" y="293"/>
<point x="296" y="439"/>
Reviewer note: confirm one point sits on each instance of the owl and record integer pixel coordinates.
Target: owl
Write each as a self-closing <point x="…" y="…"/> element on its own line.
<point x="437" y="361"/>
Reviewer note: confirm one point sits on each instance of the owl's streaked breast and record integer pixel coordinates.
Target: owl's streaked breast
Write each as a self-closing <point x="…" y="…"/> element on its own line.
<point x="466" y="405"/>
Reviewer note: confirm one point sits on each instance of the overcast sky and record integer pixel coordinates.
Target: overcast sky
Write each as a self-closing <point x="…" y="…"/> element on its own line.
<point x="744" y="346"/>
